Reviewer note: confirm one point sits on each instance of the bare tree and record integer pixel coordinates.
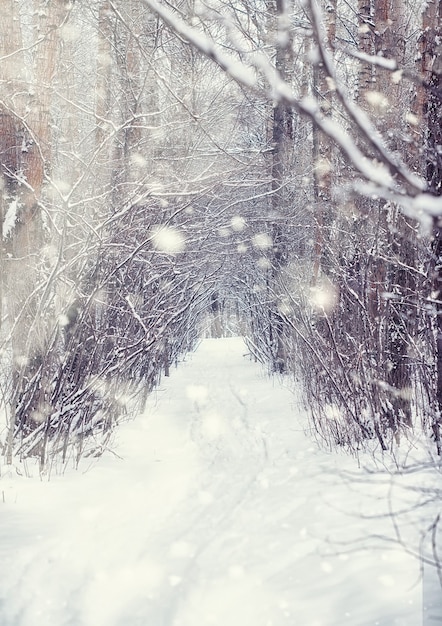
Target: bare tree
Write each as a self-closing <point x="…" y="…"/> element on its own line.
<point x="432" y="72"/>
<point x="383" y="364"/>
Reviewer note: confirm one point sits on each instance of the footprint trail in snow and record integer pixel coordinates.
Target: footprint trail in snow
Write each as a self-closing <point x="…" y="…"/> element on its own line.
<point x="215" y="510"/>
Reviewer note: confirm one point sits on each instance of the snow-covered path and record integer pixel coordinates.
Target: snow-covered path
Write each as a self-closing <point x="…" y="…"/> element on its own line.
<point x="214" y="510"/>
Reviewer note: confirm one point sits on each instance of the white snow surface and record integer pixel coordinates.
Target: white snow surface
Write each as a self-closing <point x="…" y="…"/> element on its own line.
<point x="212" y="509"/>
<point x="10" y="218"/>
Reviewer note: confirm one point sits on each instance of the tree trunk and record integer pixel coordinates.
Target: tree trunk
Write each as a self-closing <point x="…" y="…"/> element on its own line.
<point x="103" y="76"/>
<point x="11" y="133"/>
<point x="366" y="45"/>
<point x="398" y="232"/>
<point x="282" y="151"/>
<point x="322" y="156"/>
<point x="432" y="74"/>
<point x="29" y="332"/>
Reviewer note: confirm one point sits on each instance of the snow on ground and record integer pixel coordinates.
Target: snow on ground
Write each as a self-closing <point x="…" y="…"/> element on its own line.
<point x="213" y="509"/>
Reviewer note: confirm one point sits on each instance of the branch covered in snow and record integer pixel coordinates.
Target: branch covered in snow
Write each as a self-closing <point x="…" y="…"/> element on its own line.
<point x="384" y="170"/>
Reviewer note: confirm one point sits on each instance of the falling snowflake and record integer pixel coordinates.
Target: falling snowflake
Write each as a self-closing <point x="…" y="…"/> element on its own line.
<point x="169" y="240"/>
<point x="262" y="241"/>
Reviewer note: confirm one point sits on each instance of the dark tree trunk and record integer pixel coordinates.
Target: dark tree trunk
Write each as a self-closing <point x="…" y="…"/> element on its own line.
<point x="282" y="147"/>
<point x="432" y="68"/>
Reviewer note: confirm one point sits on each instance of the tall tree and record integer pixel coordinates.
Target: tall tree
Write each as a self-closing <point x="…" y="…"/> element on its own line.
<point x="281" y="160"/>
<point x="27" y="237"/>
<point x="11" y="111"/>
<point x="322" y="150"/>
<point x="396" y="273"/>
<point x="432" y="74"/>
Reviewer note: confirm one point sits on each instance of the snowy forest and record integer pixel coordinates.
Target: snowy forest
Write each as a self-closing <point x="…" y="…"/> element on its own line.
<point x="173" y="171"/>
<point x="264" y="168"/>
